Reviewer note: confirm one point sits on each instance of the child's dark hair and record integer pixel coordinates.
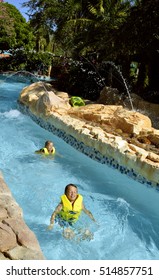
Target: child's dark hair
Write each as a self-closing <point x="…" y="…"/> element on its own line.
<point x="48" y="143"/>
<point x="70" y="185"/>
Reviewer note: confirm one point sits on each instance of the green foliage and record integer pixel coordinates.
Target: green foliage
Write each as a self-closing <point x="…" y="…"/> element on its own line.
<point x="118" y="30"/>
<point x="31" y="61"/>
<point x="137" y="40"/>
<point x="77" y="26"/>
<point x="14" y="31"/>
<point x="7" y="31"/>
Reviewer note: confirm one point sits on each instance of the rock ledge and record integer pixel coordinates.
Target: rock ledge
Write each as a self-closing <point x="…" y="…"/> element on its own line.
<point x="115" y="132"/>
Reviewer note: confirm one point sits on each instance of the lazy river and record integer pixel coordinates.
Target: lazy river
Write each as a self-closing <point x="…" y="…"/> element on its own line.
<point x="126" y="211"/>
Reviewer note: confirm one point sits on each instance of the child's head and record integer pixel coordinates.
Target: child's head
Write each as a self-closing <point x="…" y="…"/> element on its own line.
<point x="71" y="191"/>
<point x="49" y="145"/>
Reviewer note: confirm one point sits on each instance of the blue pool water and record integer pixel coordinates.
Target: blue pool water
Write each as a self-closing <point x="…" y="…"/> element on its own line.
<point x="126" y="211"/>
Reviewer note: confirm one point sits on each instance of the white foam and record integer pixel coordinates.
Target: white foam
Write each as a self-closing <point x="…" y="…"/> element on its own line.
<point x="122" y="201"/>
<point x="12" y="114"/>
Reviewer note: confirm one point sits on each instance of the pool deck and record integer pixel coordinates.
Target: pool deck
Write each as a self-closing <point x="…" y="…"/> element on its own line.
<point x="17" y="241"/>
<point x="109" y="134"/>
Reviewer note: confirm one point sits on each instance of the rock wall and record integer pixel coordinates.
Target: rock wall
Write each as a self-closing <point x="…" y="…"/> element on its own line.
<point x="117" y="133"/>
<point x="112" y="96"/>
<point x="17" y="241"/>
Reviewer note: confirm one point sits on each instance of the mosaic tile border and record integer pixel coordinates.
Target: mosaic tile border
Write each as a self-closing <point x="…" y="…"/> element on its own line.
<point x="88" y="151"/>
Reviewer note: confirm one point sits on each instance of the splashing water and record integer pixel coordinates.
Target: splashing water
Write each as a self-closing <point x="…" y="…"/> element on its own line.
<point x="97" y="70"/>
<point x="22" y="76"/>
<point x="123" y="79"/>
<point x="27" y="77"/>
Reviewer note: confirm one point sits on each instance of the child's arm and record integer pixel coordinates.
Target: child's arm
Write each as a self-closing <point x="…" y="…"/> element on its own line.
<point x="88" y="213"/>
<point x="41" y="151"/>
<point x="56" y="211"/>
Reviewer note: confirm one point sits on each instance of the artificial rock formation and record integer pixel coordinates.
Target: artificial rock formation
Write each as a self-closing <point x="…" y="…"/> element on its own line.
<point x="110" y="96"/>
<point x="17" y="241"/>
<point x="124" y="135"/>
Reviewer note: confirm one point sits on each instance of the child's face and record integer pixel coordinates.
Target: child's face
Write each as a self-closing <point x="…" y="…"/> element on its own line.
<point x="72" y="193"/>
<point x="49" y="146"/>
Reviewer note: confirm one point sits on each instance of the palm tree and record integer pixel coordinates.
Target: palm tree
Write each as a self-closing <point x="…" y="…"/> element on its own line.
<point x="79" y="25"/>
<point x="90" y="26"/>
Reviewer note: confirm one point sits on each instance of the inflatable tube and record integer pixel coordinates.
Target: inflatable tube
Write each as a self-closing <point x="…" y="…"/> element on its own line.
<point x="76" y="101"/>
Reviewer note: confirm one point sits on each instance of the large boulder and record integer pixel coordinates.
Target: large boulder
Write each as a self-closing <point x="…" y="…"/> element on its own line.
<point x="130" y="121"/>
<point x="49" y="102"/>
<point x="32" y="92"/>
<point x="43" y="99"/>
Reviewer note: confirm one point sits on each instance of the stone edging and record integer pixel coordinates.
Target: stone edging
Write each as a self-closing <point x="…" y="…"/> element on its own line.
<point x="17" y="241"/>
<point x="105" y="153"/>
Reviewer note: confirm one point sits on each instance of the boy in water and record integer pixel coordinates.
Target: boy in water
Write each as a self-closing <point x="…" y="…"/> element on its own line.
<point x="69" y="210"/>
<point x="49" y="149"/>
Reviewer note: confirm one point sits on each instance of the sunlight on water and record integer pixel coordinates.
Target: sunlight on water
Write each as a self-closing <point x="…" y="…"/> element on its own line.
<point x="126" y="211"/>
